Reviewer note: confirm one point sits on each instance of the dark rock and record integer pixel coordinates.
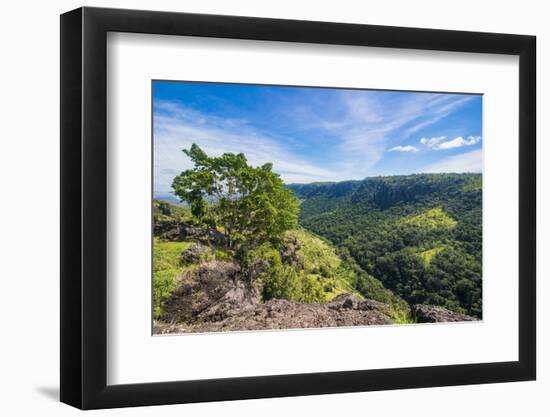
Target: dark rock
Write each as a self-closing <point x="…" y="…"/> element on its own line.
<point x="205" y="235"/>
<point x="172" y="234"/>
<point x="194" y="253"/>
<point x="237" y="300"/>
<point x="216" y="274"/>
<point x="374" y="306"/>
<point x="434" y="314"/>
<point x="254" y="271"/>
<point x="200" y="289"/>
<point x="347" y="300"/>
<point x="164" y="208"/>
<point x="166" y="229"/>
<point x="190" y="232"/>
<point x="180" y="230"/>
<point x="290" y="253"/>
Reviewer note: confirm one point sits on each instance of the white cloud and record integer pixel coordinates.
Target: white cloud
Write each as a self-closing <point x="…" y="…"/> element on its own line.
<point x="439" y="143"/>
<point x="400" y="148"/>
<point x="432" y="142"/>
<point x="459" y="142"/>
<point x="466" y="162"/>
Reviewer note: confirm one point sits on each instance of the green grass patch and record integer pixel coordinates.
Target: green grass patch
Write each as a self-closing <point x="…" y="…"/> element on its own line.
<point x="319" y="256"/>
<point x="431" y="219"/>
<point x="167" y="267"/>
<point x="428" y="255"/>
<point x="401" y="316"/>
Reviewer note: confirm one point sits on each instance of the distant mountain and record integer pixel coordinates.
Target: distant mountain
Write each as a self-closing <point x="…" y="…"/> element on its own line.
<point x="420" y="235"/>
<point x="168" y="198"/>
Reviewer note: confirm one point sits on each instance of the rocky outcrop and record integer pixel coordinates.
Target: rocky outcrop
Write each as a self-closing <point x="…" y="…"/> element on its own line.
<point x="238" y="310"/>
<point x="352" y="301"/>
<point x="213" y="292"/>
<point x="179" y="230"/>
<point x="434" y="314"/>
<point x="167" y="229"/>
<point x="236" y="301"/>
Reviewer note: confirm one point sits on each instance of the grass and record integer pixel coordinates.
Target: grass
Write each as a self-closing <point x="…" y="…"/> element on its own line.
<point x="319" y="257"/>
<point x="401" y="317"/>
<point x="167" y="267"/>
<point x="431" y="219"/>
<point x="322" y="264"/>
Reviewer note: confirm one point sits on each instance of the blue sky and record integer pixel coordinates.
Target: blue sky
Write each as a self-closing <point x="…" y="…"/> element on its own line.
<point x="316" y="134"/>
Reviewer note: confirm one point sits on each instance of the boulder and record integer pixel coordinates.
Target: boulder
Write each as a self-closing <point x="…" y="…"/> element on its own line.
<point x="237" y="300"/>
<point x="424" y="313"/>
<point x="164" y="208"/>
<point x="216" y="275"/>
<point x="190" y="232"/>
<point x="200" y="289"/>
<point x="167" y="229"/>
<point x="347" y="300"/>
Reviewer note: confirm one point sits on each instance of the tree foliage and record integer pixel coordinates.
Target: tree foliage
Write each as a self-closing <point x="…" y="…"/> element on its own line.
<point x="249" y="205"/>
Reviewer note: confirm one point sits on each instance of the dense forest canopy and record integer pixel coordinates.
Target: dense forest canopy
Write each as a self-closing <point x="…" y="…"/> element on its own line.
<point x="420" y="235"/>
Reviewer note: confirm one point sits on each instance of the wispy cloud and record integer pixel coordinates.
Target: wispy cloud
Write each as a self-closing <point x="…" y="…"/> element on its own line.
<point x="177" y="127"/>
<point x="441" y="107"/>
<point x="407" y="148"/>
<point x="440" y="142"/>
<point x="465" y="162"/>
<point x="308" y="134"/>
<point x="371" y="120"/>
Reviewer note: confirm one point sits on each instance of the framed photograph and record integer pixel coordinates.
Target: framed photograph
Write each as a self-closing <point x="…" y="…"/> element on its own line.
<point x="257" y="208"/>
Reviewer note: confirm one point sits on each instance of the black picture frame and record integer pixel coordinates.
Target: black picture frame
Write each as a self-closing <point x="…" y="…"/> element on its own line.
<point x="84" y="207"/>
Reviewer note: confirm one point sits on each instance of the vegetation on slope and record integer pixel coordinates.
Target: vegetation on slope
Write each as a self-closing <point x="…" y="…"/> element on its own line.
<point x="398" y="240"/>
<point x="420" y="235"/>
<point x="318" y="277"/>
<point x="431" y="219"/>
<point x="428" y="255"/>
<point x="167" y="267"/>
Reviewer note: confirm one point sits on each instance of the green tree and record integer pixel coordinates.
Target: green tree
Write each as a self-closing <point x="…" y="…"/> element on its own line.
<point x="250" y="205"/>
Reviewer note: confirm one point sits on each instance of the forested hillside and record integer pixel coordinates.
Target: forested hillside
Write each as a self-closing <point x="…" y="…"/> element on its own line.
<point x="199" y="285"/>
<point x="420" y="235"/>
